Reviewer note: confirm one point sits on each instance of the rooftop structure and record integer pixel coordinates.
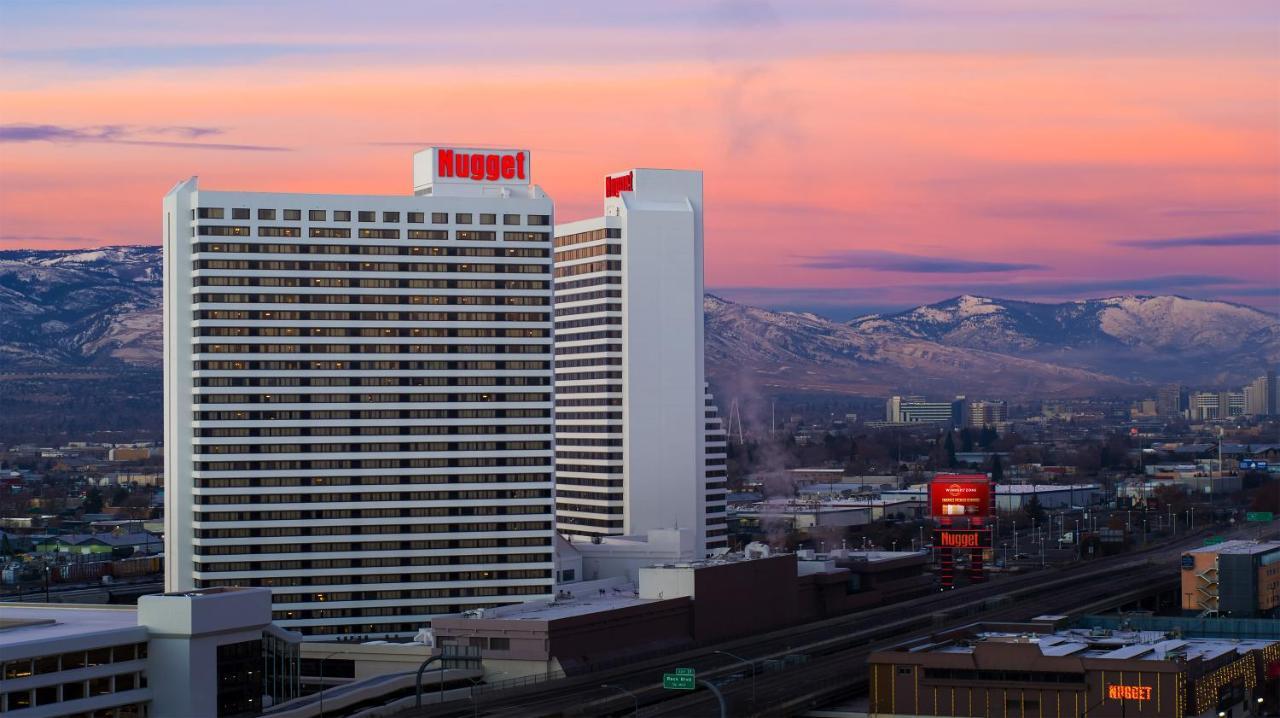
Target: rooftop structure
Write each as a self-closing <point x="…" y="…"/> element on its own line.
<point x="198" y="654"/>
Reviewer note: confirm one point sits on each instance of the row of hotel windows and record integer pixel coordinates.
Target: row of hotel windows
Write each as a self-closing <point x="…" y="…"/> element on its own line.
<point x="339" y="215"/>
<point x="205" y="513"/>
<point x="500" y="284"/>
<point x="389" y="332"/>
<point x="318" y="266"/>
<point x="589" y="309"/>
<point x="282" y="481"/>
<point x="366" y="398"/>
<point x="591" y="348"/>
<point x="277" y="314"/>
<point x="311" y="547"/>
<point x="367" y="249"/>
<point x="362" y="497"/>
<point x="419" y="577"/>
<point x="344" y="381"/>
<point x="215" y="230"/>
<point x="328" y="465"/>
<point x="365" y="414"/>
<point x="588" y="236"/>
<point x="375" y="365"/>
<point x="379" y="562"/>
<point x="364" y="448"/>
<point x="428" y="429"/>
<point x="569" y="255"/>
<point x="573" y="284"/>
<point x="371" y="349"/>
<point x="369" y="530"/>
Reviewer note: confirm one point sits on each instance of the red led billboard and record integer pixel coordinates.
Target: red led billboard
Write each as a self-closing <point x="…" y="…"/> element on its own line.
<point x="960" y="495"/>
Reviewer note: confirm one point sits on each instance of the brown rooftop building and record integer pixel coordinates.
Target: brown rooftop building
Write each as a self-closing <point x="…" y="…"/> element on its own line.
<point x="1034" y="671"/>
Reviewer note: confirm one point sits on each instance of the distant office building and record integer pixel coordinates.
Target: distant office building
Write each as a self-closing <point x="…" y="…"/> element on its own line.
<point x="1171" y="400"/>
<point x="988" y="413"/>
<point x="198" y="654"/>
<point x="358" y="395"/>
<point x="1240" y="579"/>
<point x="639" y="442"/>
<point x="1210" y="405"/>
<point x="916" y="410"/>
<point x="1260" y="396"/>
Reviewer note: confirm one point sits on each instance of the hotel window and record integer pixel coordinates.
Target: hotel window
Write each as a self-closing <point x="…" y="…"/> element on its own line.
<point x="540" y="220"/>
<point x="511" y="219"/>
<point x="240" y="213"/>
<point x="268" y="214"/>
<point x="390" y="216"/>
<point x="488" y="219"/>
<point x="293" y="215"/>
<point x="210" y="213"/>
<point x="439" y="217"/>
<point x="417" y="217"/>
<point x="341" y="215"/>
<point x="365" y="216"/>
<point x="316" y="215"/>
<point x="462" y="218"/>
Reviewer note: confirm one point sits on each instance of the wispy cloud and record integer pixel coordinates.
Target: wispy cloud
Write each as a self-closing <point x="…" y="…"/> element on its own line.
<point x="1269" y="238"/>
<point x="896" y="262"/>
<point x="126" y="135"/>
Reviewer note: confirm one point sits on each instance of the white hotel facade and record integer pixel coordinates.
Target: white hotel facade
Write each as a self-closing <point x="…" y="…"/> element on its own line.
<point x="639" y="442"/>
<point x="358" y="395"/>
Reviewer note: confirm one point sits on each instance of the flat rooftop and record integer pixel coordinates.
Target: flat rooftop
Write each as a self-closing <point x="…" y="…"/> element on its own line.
<point x="1239" y="546"/>
<point x="1088" y="643"/>
<point x="28" y="623"/>
<point x="573" y="599"/>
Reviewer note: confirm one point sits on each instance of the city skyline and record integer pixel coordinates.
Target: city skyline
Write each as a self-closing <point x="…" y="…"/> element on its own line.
<point x="856" y="159"/>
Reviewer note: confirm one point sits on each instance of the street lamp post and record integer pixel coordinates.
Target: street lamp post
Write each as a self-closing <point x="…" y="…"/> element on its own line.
<point x="321" y="679"/>
<point x="753" y="674"/>
<point x="634" y="700"/>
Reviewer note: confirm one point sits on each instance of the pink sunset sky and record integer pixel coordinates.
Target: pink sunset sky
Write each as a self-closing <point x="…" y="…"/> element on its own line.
<point x="859" y="155"/>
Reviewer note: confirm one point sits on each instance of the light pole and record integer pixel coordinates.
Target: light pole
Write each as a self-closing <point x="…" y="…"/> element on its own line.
<point x="634" y="700"/>
<point x="753" y="674"/>
<point x="321" y="679"/>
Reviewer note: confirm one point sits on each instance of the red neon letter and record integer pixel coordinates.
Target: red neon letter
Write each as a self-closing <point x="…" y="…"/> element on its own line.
<point x="508" y="167"/>
<point x="520" y="165"/>
<point x="444" y="163"/>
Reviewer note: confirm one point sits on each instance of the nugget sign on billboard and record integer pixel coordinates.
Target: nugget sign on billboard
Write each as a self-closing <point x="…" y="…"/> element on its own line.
<point x="960" y="495"/>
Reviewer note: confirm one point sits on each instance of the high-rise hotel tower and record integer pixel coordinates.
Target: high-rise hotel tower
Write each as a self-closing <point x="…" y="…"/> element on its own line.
<point x="639" y="443"/>
<point x="358" y="395"/>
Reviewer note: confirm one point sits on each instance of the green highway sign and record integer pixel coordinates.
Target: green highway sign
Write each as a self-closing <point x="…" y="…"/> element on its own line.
<point x="1260" y="516"/>
<point x="681" y="680"/>
<point x="1213" y="540"/>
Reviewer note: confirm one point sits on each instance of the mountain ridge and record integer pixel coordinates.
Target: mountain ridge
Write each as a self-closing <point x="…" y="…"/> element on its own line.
<point x="101" y="308"/>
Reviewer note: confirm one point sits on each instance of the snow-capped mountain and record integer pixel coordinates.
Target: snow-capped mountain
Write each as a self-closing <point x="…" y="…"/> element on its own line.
<point x="1140" y="338"/>
<point x="80" y="308"/>
<point x="748" y="346"/>
<point x="102" y="309"/>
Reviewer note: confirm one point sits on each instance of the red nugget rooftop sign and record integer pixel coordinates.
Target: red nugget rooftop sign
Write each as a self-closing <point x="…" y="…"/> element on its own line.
<point x="487" y="166"/>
